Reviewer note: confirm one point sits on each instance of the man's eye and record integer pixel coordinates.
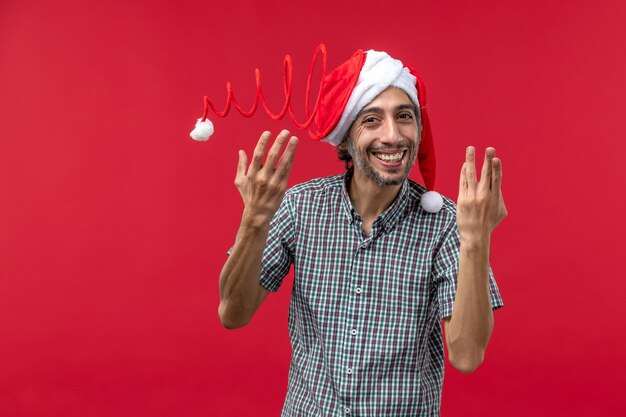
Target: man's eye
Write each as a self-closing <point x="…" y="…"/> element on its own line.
<point x="406" y="116"/>
<point x="369" y="120"/>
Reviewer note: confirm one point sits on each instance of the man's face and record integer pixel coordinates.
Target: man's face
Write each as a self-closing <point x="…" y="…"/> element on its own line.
<point x="383" y="140"/>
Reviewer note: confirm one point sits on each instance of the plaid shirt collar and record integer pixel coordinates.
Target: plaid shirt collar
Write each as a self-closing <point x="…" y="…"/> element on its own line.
<point x="387" y="219"/>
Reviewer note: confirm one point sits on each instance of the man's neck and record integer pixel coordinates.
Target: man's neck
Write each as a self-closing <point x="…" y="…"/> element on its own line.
<point x="369" y="198"/>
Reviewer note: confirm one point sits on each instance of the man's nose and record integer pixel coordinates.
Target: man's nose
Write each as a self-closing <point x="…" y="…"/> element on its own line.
<point x="391" y="132"/>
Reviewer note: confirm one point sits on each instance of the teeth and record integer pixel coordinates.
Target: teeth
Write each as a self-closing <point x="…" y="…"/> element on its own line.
<point x="389" y="158"/>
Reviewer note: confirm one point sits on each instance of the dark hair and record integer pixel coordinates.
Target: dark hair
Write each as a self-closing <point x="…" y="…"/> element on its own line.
<point x="342" y="149"/>
<point x="342" y="152"/>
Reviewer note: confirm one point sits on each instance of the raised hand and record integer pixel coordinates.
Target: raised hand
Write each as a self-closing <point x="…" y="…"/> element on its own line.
<point x="263" y="186"/>
<point x="480" y="206"/>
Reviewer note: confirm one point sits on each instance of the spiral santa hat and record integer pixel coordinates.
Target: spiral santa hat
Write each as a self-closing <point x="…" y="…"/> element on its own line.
<point x="342" y="94"/>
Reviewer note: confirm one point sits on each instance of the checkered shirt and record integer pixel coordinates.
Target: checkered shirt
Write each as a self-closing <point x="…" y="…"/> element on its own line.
<point x="365" y="312"/>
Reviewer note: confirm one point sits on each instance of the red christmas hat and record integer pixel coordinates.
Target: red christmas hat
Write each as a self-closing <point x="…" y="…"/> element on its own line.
<point x="342" y="94"/>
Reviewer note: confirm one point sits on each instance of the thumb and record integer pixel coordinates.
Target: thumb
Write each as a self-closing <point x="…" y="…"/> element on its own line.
<point x="241" y="165"/>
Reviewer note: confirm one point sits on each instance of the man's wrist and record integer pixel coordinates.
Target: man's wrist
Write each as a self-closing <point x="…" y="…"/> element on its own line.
<point x="475" y="242"/>
<point x="255" y="221"/>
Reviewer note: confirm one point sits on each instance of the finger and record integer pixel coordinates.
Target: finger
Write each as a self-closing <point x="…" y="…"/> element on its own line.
<point x="241" y="165"/>
<point x="274" y="151"/>
<point x="496" y="175"/>
<point x="503" y="210"/>
<point x="286" y="160"/>
<point x="485" y="174"/>
<point x="240" y="178"/>
<point x="470" y="168"/>
<point x="463" y="181"/>
<point x="259" y="150"/>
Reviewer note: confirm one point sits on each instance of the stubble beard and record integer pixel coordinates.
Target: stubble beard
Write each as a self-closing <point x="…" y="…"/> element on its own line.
<point x="361" y="161"/>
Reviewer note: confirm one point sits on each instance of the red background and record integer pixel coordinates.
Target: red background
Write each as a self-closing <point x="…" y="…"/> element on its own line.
<point x="114" y="224"/>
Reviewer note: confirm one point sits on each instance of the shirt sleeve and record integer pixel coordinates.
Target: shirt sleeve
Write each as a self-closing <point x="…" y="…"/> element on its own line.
<point x="446" y="271"/>
<point x="279" y="248"/>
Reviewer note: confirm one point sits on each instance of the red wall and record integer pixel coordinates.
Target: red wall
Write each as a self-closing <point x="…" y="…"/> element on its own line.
<point x="114" y="224"/>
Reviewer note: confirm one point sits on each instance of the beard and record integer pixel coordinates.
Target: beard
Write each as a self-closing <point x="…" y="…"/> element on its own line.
<point x="360" y="160"/>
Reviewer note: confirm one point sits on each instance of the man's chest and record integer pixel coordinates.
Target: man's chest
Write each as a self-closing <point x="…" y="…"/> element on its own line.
<point x="340" y="272"/>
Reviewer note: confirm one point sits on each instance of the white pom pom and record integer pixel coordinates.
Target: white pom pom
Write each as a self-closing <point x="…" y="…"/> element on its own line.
<point x="432" y="201"/>
<point x="203" y="130"/>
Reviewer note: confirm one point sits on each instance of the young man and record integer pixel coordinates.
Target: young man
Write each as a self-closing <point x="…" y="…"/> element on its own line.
<point x="374" y="272"/>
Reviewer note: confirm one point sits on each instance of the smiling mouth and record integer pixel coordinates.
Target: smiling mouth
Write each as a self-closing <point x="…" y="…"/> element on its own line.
<point x="390" y="157"/>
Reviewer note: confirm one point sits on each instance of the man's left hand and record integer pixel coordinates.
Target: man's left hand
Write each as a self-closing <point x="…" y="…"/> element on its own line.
<point x="480" y="206"/>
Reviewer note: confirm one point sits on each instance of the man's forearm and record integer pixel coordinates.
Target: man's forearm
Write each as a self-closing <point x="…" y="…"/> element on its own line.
<point x="239" y="279"/>
<point x="471" y="323"/>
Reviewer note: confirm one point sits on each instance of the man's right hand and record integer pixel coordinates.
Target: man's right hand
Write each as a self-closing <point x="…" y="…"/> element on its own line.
<point x="262" y="189"/>
<point x="263" y="186"/>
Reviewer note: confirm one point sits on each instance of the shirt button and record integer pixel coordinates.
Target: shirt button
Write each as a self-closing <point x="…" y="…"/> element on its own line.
<point x="347" y="410"/>
<point x="353" y="332"/>
<point x="349" y="371"/>
<point x="358" y="290"/>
